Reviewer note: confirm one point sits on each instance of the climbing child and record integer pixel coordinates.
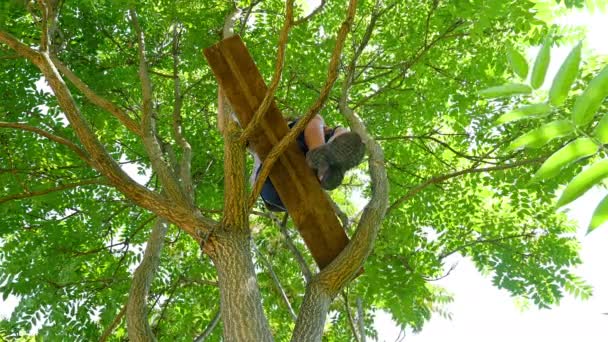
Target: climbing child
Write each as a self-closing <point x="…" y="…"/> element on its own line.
<point x="330" y="152"/>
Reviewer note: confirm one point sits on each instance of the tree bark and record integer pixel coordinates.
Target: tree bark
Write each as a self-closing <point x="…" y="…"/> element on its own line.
<point x="138" y="326"/>
<point x="311" y="319"/>
<point x="240" y="298"/>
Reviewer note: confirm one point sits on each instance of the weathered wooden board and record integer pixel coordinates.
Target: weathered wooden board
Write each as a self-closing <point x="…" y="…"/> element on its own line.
<point x="295" y="182"/>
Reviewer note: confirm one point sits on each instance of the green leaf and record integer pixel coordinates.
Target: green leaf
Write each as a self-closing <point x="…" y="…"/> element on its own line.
<point x="590" y="100"/>
<point x="580" y="148"/>
<point x="505" y="90"/>
<point x="518" y="63"/>
<point x="601" y="131"/>
<point x="565" y="77"/>
<point x="583" y="182"/>
<point x="542" y="135"/>
<point x="541" y="64"/>
<point x="533" y="110"/>
<point x="600" y="215"/>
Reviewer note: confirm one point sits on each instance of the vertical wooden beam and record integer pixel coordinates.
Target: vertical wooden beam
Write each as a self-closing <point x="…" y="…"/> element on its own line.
<point x="296" y="184"/>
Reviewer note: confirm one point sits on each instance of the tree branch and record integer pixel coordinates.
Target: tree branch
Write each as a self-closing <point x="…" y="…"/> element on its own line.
<point x="24" y="127"/>
<point x="97" y="99"/>
<point x="349" y="314"/>
<point x="312" y="14"/>
<point x="138" y="327"/>
<point x="276" y="281"/>
<point x="185" y="164"/>
<point x="51" y="190"/>
<point x="441" y="178"/>
<point x="106" y="333"/>
<point x="258" y="116"/>
<point x="183" y="216"/>
<point x="332" y="75"/>
<point x="216" y="319"/>
<point x="148" y="123"/>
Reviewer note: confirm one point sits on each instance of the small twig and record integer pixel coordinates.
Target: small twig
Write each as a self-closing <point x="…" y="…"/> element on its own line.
<point x="25" y="127"/>
<point x="441" y="178"/>
<point x="216" y="319"/>
<point x="276" y="281"/>
<point x="312" y="14"/>
<point x="114" y="324"/>
<point x="50" y="190"/>
<point x="349" y="314"/>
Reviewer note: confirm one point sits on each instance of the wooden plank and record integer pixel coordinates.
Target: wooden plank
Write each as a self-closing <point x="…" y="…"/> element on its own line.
<point x="296" y="184"/>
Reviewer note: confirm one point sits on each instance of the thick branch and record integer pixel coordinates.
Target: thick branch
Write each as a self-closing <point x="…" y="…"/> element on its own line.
<point x="82" y="154"/>
<point x="138" y="327"/>
<point x="186" y="218"/>
<point x="148" y="124"/>
<point x="178" y="134"/>
<point x="332" y="75"/>
<point x="258" y="116"/>
<point x="97" y="99"/>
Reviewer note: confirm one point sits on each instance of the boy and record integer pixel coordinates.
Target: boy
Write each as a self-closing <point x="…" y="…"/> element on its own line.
<point x="330" y="152"/>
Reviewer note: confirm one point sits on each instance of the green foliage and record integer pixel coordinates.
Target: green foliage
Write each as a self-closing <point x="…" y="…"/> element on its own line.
<point x="518" y="63"/>
<point x="578" y="149"/>
<point x="541" y="64"/>
<point x="537" y="109"/>
<point x="600" y="215"/>
<point x="588" y="103"/>
<point x="69" y="255"/>
<point x="584" y="112"/>
<point x="565" y="77"/>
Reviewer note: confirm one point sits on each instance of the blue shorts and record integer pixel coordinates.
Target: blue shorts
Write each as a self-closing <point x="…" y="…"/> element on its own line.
<point x="269" y="193"/>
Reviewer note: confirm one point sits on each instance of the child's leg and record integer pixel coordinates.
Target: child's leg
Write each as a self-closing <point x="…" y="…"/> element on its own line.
<point x="314" y="134"/>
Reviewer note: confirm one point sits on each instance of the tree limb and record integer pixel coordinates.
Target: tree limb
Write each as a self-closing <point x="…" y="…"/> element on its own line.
<point x="148" y="123"/>
<point x="50" y="190"/>
<point x="276" y="281"/>
<point x="258" y="116"/>
<point x="216" y="319"/>
<point x="441" y="178"/>
<point x="332" y="75"/>
<point x="25" y="127"/>
<point x="108" y="332"/>
<point x="185" y="217"/>
<point x="185" y="164"/>
<point x="97" y="99"/>
<point x="138" y="327"/>
<point x="312" y="14"/>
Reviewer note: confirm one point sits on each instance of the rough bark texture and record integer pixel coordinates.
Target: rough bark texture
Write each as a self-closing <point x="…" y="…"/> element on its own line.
<point x="241" y="302"/>
<point x="137" y="315"/>
<point x="313" y="312"/>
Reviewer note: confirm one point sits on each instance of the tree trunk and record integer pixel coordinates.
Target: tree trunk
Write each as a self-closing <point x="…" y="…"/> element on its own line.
<point x="311" y="319"/>
<point x="241" y="302"/>
<point x="138" y="326"/>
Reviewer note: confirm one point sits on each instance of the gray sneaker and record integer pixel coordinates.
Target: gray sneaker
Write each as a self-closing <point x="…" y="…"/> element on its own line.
<point x="333" y="159"/>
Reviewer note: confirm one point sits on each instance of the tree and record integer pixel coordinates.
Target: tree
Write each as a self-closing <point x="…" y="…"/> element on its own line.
<point x="124" y="156"/>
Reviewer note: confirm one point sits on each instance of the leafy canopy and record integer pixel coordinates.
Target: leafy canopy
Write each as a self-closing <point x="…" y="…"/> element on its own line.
<point x="68" y="255"/>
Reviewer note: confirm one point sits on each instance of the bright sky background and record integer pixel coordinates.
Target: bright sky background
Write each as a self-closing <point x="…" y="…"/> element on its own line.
<point x="482" y="312"/>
